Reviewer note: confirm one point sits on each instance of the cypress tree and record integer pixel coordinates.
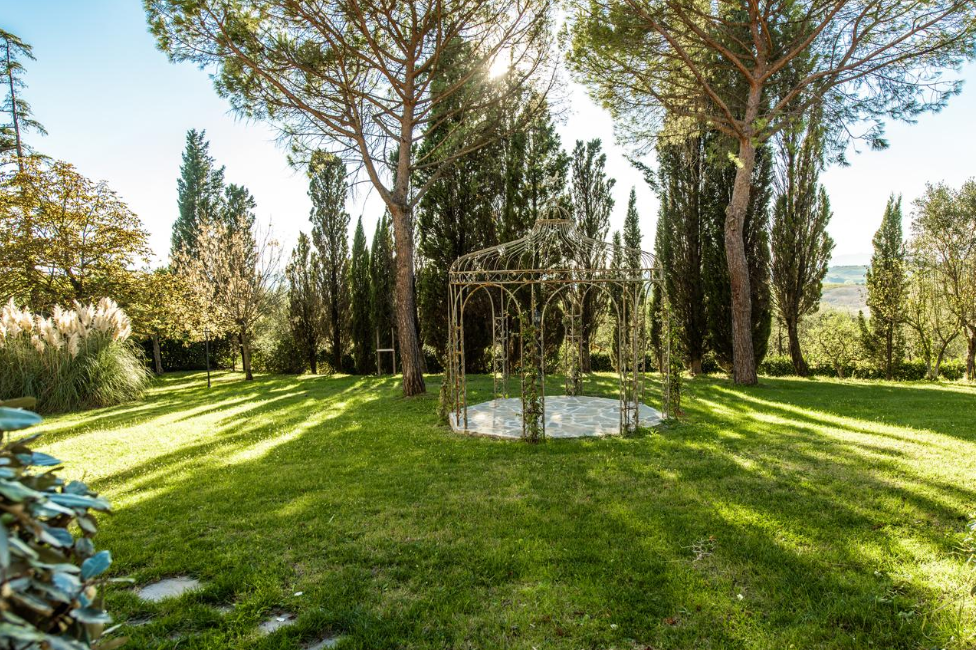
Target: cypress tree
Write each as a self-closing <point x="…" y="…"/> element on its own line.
<point x="330" y="227"/>
<point x="382" y="281"/>
<point x="886" y="284"/>
<point x="632" y="233"/>
<point x="361" y="318"/>
<point x="304" y="300"/>
<point x="238" y="207"/>
<point x="682" y="172"/>
<point x="800" y="244"/>
<point x="592" y="204"/>
<point x="199" y="192"/>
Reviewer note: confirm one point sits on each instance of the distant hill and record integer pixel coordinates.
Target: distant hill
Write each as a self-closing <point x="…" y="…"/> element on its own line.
<point x="846" y="274"/>
<point x="850" y="297"/>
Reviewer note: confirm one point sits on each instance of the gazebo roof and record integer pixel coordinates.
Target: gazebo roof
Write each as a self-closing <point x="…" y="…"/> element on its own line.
<point x="553" y="251"/>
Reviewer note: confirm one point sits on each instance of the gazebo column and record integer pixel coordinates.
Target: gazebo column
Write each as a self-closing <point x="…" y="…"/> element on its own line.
<point x="573" y="341"/>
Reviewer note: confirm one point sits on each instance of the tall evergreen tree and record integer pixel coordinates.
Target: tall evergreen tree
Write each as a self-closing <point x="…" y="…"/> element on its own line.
<point x="799" y="241"/>
<point x="457" y="214"/>
<point x="14" y="105"/>
<point x="382" y="280"/>
<point x="361" y="332"/>
<point x="632" y="233"/>
<point x="720" y="181"/>
<point x="536" y="169"/>
<point x="304" y="300"/>
<point x="592" y="204"/>
<point x="200" y="191"/>
<point x="238" y="207"/>
<point x="682" y="173"/>
<point x="886" y="284"/>
<point x="330" y="227"/>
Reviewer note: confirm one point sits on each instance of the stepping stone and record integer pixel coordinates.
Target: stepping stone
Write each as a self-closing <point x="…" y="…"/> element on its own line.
<point x="276" y="622"/>
<point x="322" y="644"/>
<point x="168" y="588"/>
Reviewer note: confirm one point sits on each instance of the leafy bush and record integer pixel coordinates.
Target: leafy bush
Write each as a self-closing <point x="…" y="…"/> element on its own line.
<point x="78" y="358"/>
<point x="49" y="579"/>
<point x="179" y="354"/>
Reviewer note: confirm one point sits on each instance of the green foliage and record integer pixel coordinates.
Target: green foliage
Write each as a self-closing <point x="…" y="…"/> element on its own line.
<point x="330" y="234"/>
<point x="886" y="283"/>
<point x="679" y="244"/>
<point x="304" y="301"/>
<point x="361" y="333"/>
<point x="382" y="280"/>
<point x="801" y="247"/>
<point x="49" y="578"/>
<point x="76" y="359"/>
<point x="199" y="190"/>
<point x="592" y="204"/>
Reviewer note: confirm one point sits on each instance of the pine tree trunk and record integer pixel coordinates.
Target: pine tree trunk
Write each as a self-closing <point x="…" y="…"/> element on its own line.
<point x="410" y="356"/>
<point x="246" y="358"/>
<point x="743" y="355"/>
<point x="157" y="355"/>
<point x="971" y="356"/>
<point x="695" y="365"/>
<point x="586" y="363"/>
<point x="889" y="352"/>
<point x="796" y="355"/>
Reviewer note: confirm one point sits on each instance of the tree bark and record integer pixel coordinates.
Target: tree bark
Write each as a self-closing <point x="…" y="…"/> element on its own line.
<point x="695" y="365"/>
<point x="313" y="362"/>
<point x="157" y="355"/>
<point x="410" y="355"/>
<point x="246" y="358"/>
<point x="743" y="354"/>
<point x="971" y="356"/>
<point x="796" y="355"/>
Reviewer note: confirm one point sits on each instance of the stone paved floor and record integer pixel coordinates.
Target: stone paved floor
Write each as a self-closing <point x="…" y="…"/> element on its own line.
<point x="566" y="417"/>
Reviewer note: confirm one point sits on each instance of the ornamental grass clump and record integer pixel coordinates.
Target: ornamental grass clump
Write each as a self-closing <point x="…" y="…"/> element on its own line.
<point x="75" y="359"/>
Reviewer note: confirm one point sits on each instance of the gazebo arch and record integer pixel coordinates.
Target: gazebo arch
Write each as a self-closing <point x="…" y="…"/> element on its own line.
<point x="528" y="281"/>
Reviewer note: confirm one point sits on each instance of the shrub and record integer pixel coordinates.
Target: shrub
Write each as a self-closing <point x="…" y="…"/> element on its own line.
<point x="78" y="358"/>
<point x="49" y="579"/>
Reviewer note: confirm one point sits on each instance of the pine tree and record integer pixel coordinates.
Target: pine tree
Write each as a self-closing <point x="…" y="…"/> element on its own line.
<point x="799" y="241"/>
<point x="330" y="226"/>
<point x="592" y="204"/>
<point x="361" y="317"/>
<point x="304" y="300"/>
<point x="14" y="105"/>
<point x="719" y="183"/>
<point x="682" y="172"/>
<point x="382" y="280"/>
<point x="886" y="284"/>
<point x="200" y="191"/>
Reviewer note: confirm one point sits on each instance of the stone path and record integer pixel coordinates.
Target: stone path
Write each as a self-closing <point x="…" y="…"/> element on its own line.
<point x="566" y="417"/>
<point x="167" y="588"/>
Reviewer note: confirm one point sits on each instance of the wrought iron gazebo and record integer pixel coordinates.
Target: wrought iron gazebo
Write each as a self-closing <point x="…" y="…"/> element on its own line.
<point x="549" y="273"/>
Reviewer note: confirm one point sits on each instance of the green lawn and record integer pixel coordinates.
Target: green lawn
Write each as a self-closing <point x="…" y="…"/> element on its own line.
<point x="796" y="514"/>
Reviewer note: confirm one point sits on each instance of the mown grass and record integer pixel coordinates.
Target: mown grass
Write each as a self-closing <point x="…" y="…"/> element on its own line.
<point x="795" y="514"/>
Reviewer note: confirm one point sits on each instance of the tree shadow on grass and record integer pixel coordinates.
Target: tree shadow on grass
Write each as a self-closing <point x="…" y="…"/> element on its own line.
<point x="403" y="537"/>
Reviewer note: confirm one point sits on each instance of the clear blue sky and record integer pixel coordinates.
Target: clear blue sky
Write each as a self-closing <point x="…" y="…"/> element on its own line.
<point x="119" y="111"/>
